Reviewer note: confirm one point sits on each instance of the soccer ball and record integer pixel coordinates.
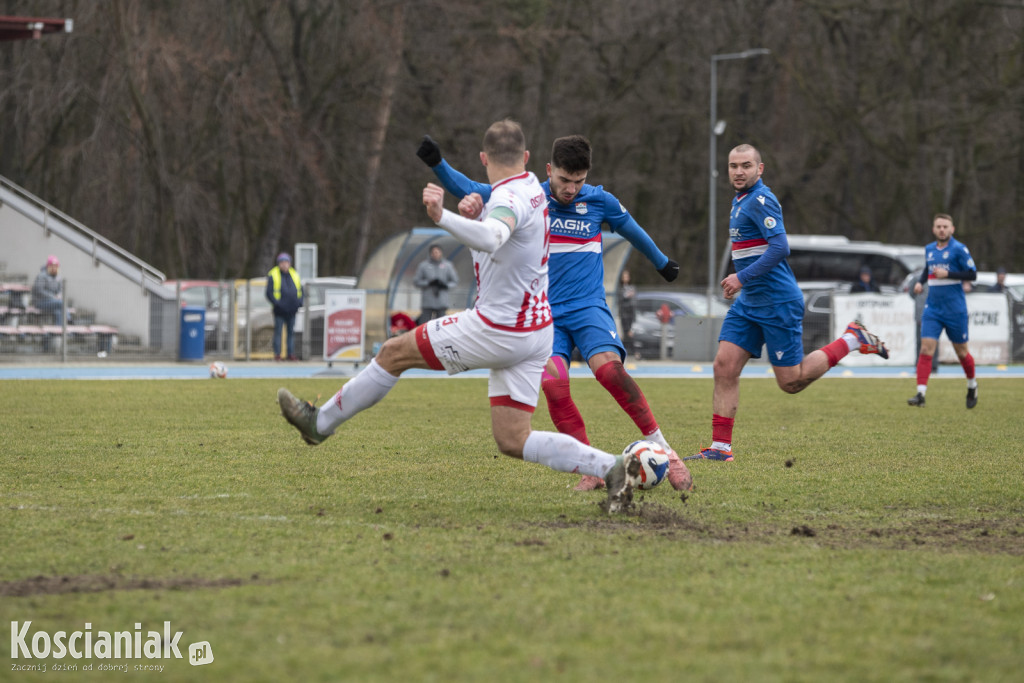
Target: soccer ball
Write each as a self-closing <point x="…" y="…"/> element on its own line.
<point x="653" y="460"/>
<point x="218" y="370"/>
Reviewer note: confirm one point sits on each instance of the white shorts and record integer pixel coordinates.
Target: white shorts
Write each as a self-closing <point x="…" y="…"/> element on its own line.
<point x="463" y="341"/>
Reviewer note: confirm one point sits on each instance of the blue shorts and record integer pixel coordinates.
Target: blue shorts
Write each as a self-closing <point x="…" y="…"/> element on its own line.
<point x="779" y="327"/>
<point x="933" y="321"/>
<point x="591" y="329"/>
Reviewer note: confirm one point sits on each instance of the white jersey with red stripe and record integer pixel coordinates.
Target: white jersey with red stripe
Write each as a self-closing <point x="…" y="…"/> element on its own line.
<point x="512" y="282"/>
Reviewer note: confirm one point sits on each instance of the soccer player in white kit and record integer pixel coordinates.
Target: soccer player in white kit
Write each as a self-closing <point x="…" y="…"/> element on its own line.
<point x="508" y="330"/>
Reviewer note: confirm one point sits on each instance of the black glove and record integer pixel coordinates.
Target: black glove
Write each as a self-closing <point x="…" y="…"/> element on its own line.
<point x="438" y="284"/>
<point x="670" y="272"/>
<point x="429" y="151"/>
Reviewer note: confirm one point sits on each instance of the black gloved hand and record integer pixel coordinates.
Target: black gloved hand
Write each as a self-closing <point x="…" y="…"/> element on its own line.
<point x="438" y="284"/>
<point x="670" y="272"/>
<point x="429" y="151"/>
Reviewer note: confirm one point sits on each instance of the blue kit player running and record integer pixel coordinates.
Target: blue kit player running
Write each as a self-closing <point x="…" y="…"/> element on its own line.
<point x="949" y="266"/>
<point x="770" y="307"/>
<point x="576" y="289"/>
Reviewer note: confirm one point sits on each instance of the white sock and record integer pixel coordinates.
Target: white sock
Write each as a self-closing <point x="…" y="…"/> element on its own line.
<point x="852" y="343"/>
<point x="972" y="383"/>
<point x="658" y="438"/>
<point x="563" y="453"/>
<point x="922" y="388"/>
<point x="358" y="394"/>
<point x="722" y="446"/>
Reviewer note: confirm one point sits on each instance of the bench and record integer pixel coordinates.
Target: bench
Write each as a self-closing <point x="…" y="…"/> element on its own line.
<point x="27" y="338"/>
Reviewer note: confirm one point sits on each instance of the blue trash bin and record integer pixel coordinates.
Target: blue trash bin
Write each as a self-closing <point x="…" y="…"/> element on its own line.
<point x="193" y="333"/>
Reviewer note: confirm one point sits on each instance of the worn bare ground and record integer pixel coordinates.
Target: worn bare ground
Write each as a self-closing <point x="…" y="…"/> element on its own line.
<point x="1004" y="536"/>
<point x="86" y="583"/>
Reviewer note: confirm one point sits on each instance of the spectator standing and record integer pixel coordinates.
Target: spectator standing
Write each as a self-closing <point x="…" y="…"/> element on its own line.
<point x="284" y="292"/>
<point x="949" y="267"/>
<point x="578" y="299"/>
<point x="866" y="283"/>
<point x="627" y="307"/>
<point x="508" y="330"/>
<point x="1000" y="286"/>
<point x="434" y="276"/>
<point x="769" y="310"/>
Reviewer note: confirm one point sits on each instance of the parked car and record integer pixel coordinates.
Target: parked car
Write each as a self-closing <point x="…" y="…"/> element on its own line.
<point x="1014" y="283"/>
<point x="313" y="291"/>
<point x="646" y="329"/>
<point x="817" y="258"/>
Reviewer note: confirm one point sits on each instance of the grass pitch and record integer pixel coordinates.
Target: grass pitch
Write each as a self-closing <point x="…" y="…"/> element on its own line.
<point x="853" y="539"/>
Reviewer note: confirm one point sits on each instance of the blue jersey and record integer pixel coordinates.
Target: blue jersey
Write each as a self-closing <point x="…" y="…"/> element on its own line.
<point x="756" y="216"/>
<point x="576" y="265"/>
<point x="946" y="295"/>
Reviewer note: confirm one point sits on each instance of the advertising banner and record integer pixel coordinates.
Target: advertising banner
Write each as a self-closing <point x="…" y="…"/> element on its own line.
<point x="344" y="324"/>
<point x="888" y="316"/>
<point x="988" y="326"/>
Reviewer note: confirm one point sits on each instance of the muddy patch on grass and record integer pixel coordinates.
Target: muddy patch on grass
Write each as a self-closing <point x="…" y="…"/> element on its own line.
<point x="86" y="583"/>
<point x="1002" y="536"/>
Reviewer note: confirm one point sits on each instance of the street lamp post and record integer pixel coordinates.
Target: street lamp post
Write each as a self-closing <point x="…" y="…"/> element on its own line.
<point x="716" y="128"/>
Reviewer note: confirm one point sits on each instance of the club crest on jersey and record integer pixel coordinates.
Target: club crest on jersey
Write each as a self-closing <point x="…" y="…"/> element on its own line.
<point x="769" y="222"/>
<point x="581" y="208"/>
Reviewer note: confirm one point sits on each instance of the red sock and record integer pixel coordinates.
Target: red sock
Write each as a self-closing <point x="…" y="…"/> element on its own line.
<point x="924" y="368"/>
<point x="836" y="351"/>
<point x="564" y="413"/>
<point x="624" y="389"/>
<point x="967" y="363"/>
<point x="721" y="428"/>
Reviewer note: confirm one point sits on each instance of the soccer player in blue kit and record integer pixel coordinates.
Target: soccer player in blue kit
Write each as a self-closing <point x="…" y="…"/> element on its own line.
<point x="770" y="308"/>
<point x="949" y="265"/>
<point x="576" y="289"/>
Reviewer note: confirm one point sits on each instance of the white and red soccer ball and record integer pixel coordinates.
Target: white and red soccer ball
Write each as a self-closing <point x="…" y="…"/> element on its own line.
<point x="218" y="370"/>
<point x="653" y="462"/>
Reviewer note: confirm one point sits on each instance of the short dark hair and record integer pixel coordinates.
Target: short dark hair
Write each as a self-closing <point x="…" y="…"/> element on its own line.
<point x="505" y="142"/>
<point x="571" y="153"/>
<point x="747" y="147"/>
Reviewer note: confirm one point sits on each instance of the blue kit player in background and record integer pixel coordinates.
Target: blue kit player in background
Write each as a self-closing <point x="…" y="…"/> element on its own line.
<point x="770" y="308"/>
<point x="576" y="289"/>
<point x="949" y="265"/>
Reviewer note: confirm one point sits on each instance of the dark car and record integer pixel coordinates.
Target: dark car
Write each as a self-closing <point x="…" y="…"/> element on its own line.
<point x="646" y="329"/>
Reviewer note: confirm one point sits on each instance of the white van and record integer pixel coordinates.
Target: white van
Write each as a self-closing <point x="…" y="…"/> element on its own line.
<point x="835" y="257"/>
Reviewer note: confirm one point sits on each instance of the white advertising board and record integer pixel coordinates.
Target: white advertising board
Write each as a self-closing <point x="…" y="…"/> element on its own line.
<point x="889" y="316"/>
<point x="988" y="328"/>
<point x="344" y="324"/>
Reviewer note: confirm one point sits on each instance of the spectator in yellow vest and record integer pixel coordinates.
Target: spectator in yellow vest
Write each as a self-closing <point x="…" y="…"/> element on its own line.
<point x="284" y="292"/>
